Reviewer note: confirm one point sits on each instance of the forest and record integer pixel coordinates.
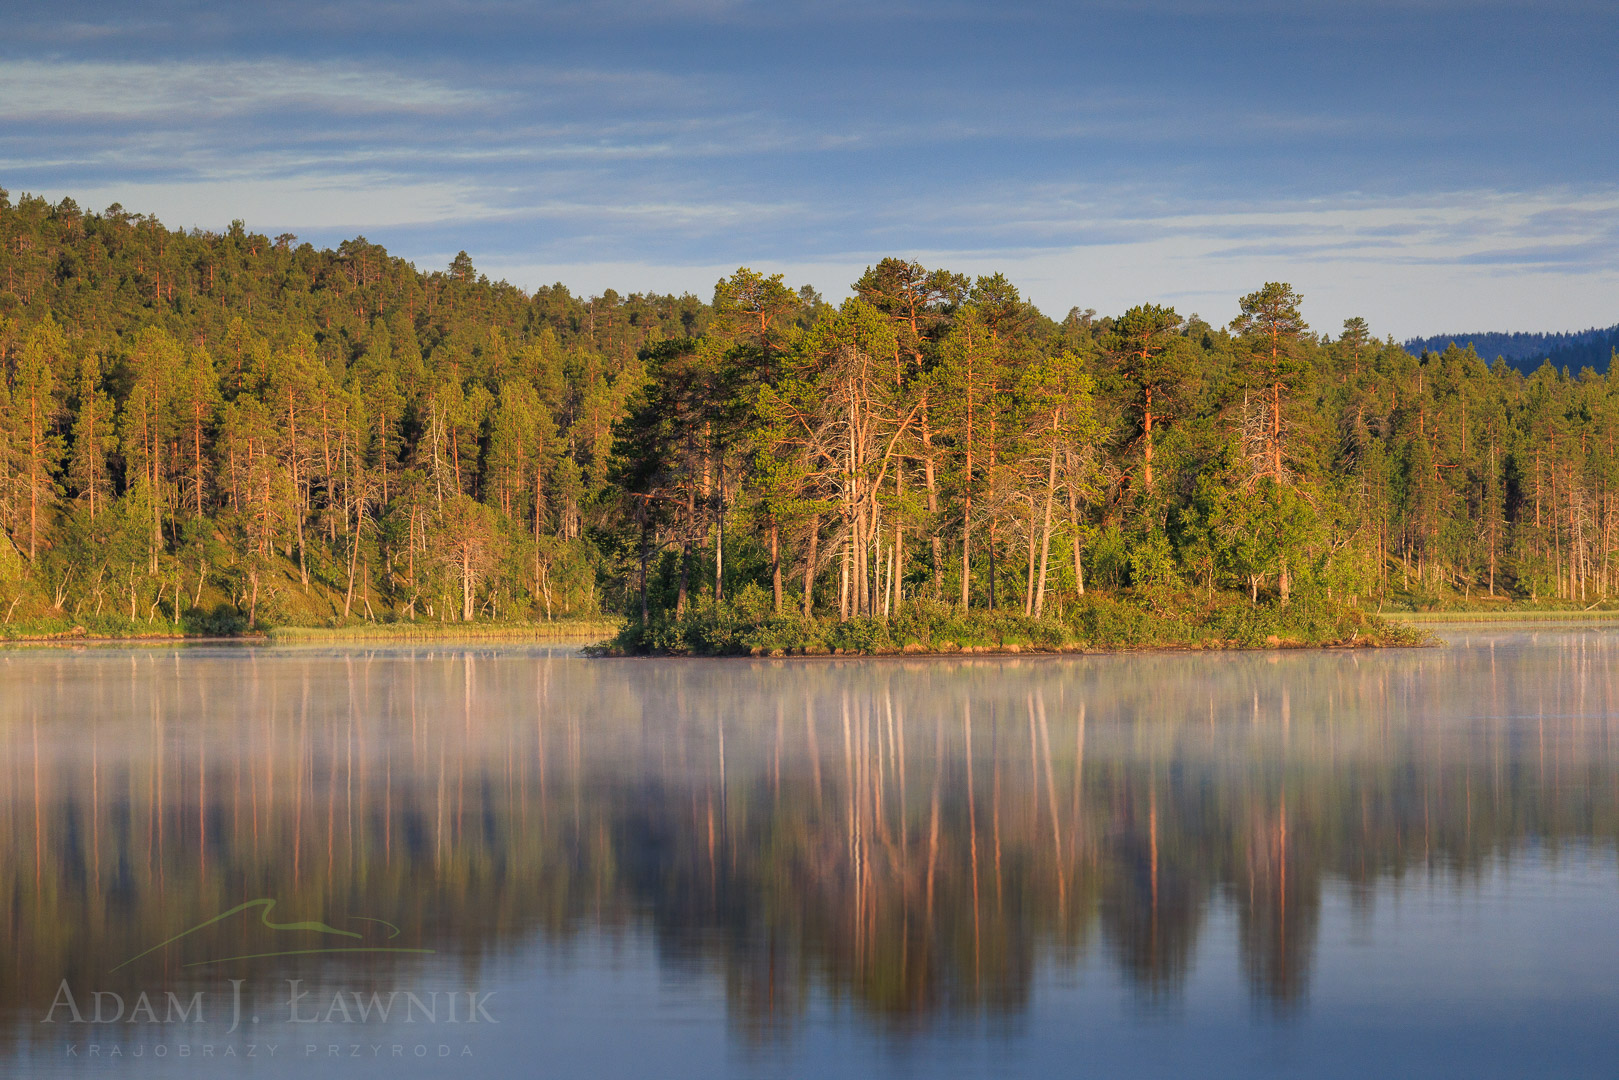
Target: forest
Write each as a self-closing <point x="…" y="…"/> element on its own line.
<point x="1592" y="348"/>
<point x="215" y="431"/>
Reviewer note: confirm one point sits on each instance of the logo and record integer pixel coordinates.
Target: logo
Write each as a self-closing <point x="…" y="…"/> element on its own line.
<point x="347" y="941"/>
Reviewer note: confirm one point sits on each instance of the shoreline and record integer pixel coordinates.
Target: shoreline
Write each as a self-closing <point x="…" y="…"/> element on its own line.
<point x="586" y="645"/>
<point x="1095" y="624"/>
<point x="989" y="652"/>
<point x="380" y="633"/>
<point x="595" y="638"/>
<point x="1554" y="615"/>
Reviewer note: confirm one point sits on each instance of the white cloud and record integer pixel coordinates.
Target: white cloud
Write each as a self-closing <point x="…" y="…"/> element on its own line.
<point x="1499" y="260"/>
<point x="367" y="200"/>
<point x="335" y="202"/>
<point x="1510" y="261"/>
<point x="1485" y="259"/>
<point x="172" y="93"/>
<point x="643" y="179"/>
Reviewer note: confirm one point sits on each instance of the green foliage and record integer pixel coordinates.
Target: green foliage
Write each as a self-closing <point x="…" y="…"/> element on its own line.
<point x="1101" y="623"/>
<point x="12" y="567"/>
<point x="190" y="420"/>
<point x="1153" y="568"/>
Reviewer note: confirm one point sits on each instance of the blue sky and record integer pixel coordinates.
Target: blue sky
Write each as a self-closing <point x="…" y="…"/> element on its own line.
<point x="1433" y="165"/>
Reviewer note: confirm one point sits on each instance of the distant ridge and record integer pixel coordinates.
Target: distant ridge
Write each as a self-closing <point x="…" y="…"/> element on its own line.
<point x="1592" y="348"/>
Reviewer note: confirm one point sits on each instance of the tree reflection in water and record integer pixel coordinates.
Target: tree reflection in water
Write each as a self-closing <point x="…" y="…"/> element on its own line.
<point x="914" y="837"/>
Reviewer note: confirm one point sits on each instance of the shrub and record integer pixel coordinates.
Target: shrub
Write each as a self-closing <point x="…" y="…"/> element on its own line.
<point x="746" y="625"/>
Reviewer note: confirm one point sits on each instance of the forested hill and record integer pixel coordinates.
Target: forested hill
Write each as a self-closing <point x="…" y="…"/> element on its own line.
<point x="126" y="330"/>
<point x="206" y="427"/>
<point x="1592" y="348"/>
<point x="107" y="275"/>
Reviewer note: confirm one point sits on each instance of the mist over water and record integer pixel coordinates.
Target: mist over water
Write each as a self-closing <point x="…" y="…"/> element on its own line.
<point x="1289" y="863"/>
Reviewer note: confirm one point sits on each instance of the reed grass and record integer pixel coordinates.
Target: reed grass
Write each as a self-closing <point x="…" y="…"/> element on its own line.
<point x="560" y="630"/>
<point x="1510" y="615"/>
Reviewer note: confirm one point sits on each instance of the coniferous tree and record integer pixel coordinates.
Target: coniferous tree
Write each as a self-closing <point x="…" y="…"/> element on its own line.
<point x="1151" y="372"/>
<point x="93" y="439"/>
<point x="34" y="405"/>
<point x="194" y="419"/>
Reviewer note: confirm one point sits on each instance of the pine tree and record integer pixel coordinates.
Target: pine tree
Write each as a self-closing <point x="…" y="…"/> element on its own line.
<point x="196" y="399"/>
<point x="1271" y="327"/>
<point x="93" y="438"/>
<point x="1150" y="372"/>
<point x="34" y="406"/>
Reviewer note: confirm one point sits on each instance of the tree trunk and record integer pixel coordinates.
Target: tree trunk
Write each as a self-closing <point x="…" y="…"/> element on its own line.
<point x="775" y="564"/>
<point x="992" y="563"/>
<point x="35" y="467"/>
<point x="1146" y="442"/>
<point x="680" y="594"/>
<point x="1073" y="524"/>
<point x="297" y="489"/>
<point x="382" y="454"/>
<point x="809" y="565"/>
<point x="719" y="537"/>
<point x="859" y="584"/>
<point x="935" y="543"/>
<point x="641" y="584"/>
<point x="1045" y="538"/>
<point x="1028" y="583"/>
<point x="843" y="581"/>
<point x="1276" y="439"/>
<point x="354" y="554"/>
<point x="157" y="506"/>
<point x="897" y="566"/>
<point x="966" y="552"/>
<point x="410" y="565"/>
<point x="303" y="567"/>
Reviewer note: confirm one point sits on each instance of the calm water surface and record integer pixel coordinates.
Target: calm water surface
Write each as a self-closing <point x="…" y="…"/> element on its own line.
<point x="510" y="861"/>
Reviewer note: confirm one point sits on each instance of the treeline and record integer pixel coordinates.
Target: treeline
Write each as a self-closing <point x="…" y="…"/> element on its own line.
<point x="938" y="439"/>
<point x="200" y="423"/>
<point x="1592" y="348"/>
<point x="197" y="419"/>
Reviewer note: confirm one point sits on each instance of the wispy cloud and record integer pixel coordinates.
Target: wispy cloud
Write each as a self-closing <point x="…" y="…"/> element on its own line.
<point x="1101" y="152"/>
<point x="101" y="92"/>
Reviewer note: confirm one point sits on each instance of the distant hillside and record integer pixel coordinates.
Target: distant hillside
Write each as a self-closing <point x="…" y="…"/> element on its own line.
<point x="1585" y="348"/>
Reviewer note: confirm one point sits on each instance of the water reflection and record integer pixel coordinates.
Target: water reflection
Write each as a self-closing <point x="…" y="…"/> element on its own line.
<point x="917" y="839"/>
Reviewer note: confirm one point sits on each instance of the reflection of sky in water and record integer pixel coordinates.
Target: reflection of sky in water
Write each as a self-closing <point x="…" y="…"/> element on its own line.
<point x="1505" y="979"/>
<point x="1171" y="864"/>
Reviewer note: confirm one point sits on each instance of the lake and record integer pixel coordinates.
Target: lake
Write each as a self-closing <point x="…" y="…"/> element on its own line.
<point x="502" y="861"/>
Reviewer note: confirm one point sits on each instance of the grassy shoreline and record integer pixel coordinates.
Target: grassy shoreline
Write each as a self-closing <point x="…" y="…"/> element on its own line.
<point x="1096" y="624"/>
<point x="1509" y="615"/>
<point x="560" y="630"/>
<point x="1099" y="625"/>
<point x="117" y="630"/>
